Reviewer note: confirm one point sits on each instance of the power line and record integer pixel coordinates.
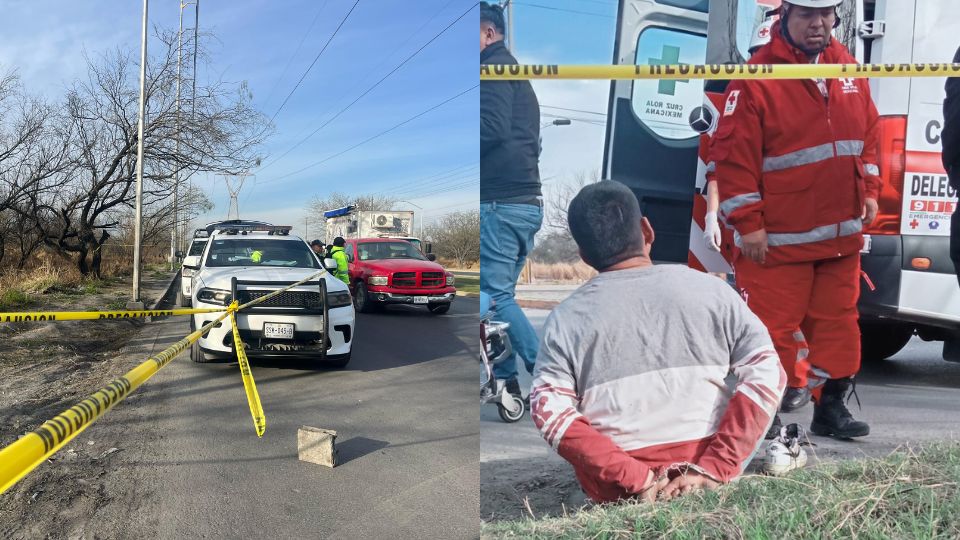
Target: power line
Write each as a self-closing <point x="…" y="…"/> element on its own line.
<point x="384" y="132"/>
<point x="572" y="110"/>
<point x="297" y="51"/>
<point x="436" y="185"/>
<point x="368" y="90"/>
<point x="429" y="179"/>
<point x="342" y="21"/>
<point x="551" y="8"/>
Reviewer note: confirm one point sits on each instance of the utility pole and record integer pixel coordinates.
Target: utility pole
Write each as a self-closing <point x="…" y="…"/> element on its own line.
<point x="175" y="231"/>
<point x="135" y="302"/>
<point x="510" y="43"/>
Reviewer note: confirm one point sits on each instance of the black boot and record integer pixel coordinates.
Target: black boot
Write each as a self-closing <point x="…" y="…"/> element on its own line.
<point x="774" y="430"/>
<point x="794" y="398"/>
<point x="830" y="415"/>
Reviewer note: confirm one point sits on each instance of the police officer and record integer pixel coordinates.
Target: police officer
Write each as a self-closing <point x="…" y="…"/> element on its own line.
<point x="338" y="254"/>
<point x="317" y="247"/>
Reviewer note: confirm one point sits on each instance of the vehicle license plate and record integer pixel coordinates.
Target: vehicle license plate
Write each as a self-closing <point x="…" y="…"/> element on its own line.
<point x="420" y="299"/>
<point x="278" y="330"/>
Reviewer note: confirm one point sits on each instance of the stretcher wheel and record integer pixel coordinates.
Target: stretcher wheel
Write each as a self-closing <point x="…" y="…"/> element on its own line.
<point x="509" y="416"/>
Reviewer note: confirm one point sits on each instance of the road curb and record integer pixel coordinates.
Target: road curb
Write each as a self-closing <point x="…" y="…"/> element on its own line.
<point x="537" y="304"/>
<point x="166" y="291"/>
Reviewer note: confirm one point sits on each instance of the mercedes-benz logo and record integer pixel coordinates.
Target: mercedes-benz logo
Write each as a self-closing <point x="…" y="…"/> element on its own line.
<point x="701" y="119"/>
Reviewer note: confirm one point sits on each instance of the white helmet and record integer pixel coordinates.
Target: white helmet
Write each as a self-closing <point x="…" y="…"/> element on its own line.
<point x="815" y="3"/>
<point x="761" y="34"/>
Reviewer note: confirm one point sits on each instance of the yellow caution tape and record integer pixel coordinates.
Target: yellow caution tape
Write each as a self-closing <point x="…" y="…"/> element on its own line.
<point x="492" y="72"/>
<point x="253" y="398"/>
<point x="22" y="456"/>
<point x="19" y="458"/>
<point x="28" y="316"/>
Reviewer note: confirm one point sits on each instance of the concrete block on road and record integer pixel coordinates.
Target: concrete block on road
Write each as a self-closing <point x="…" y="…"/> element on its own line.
<point x="316" y="445"/>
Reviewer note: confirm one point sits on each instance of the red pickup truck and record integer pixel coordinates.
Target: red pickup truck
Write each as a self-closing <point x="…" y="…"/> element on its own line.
<point x="392" y="271"/>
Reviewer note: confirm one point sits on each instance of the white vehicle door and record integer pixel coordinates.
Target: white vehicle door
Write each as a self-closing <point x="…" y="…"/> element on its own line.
<point x="650" y="146"/>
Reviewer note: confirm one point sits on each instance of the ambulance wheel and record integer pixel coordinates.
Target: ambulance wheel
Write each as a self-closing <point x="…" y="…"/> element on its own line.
<point x="881" y="341"/>
<point x="509" y="416"/>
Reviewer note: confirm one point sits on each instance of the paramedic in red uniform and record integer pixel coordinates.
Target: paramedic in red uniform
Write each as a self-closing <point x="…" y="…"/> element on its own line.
<point x="796" y="163"/>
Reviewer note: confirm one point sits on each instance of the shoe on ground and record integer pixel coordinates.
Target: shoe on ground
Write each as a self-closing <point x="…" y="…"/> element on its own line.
<point x="831" y="417"/>
<point x="775" y="427"/>
<point x="795" y="398"/>
<point x="784" y="453"/>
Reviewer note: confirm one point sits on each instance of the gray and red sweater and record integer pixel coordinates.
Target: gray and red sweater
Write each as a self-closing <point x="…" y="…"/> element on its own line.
<point x="632" y="377"/>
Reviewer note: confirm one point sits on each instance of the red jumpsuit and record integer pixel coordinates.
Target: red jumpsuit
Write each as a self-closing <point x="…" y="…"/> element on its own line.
<point x="799" y="164"/>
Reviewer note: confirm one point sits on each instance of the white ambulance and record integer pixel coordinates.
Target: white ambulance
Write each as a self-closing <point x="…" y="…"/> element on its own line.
<point x="651" y="145"/>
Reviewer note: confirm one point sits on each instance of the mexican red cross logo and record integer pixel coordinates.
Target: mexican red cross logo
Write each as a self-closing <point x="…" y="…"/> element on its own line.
<point x="764" y="32"/>
<point x="731" y="102"/>
<point x="914" y="224"/>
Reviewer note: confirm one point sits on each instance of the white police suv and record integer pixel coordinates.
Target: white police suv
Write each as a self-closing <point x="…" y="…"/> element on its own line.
<point x="313" y="321"/>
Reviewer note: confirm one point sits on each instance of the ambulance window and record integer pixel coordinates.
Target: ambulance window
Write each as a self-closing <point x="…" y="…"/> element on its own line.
<point x="696" y="5"/>
<point x="663" y="106"/>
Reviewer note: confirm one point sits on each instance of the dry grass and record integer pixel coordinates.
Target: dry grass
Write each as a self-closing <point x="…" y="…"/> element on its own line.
<point x="50" y="273"/>
<point x="578" y="272"/>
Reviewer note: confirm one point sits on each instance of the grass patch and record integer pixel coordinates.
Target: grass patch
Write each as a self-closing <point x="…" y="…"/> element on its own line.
<point x="908" y="494"/>
<point x="14" y="299"/>
<point x="468" y="284"/>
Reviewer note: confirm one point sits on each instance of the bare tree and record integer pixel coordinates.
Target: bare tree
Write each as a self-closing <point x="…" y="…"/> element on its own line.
<point x="222" y="135"/>
<point x="558" y="200"/>
<point x="457" y="236"/>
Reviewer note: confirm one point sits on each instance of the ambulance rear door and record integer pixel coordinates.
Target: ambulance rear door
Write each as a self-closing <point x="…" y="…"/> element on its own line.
<point x="650" y="146"/>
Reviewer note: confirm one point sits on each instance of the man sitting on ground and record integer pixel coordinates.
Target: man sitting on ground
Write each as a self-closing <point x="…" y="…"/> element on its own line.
<point x="630" y="385"/>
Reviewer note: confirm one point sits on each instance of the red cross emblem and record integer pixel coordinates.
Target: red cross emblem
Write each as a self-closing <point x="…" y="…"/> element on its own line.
<point x="764" y="32"/>
<point x="914" y="224"/>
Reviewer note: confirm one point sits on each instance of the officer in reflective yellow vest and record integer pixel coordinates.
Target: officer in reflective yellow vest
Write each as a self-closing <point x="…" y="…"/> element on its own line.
<point x="338" y="254"/>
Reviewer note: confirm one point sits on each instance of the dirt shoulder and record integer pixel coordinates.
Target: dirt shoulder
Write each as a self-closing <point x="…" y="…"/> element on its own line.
<point x="46" y="368"/>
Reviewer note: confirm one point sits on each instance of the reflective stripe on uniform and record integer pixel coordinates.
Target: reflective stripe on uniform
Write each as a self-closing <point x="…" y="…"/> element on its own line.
<point x="871" y="169"/>
<point x="712" y="167"/>
<point x="849" y="148"/>
<point x="733" y="203"/>
<point x="800" y="157"/>
<point x="813" y="154"/>
<point x="816" y="234"/>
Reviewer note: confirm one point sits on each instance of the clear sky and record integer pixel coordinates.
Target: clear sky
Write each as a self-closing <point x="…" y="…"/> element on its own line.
<point x="568" y="32"/>
<point x="433" y="161"/>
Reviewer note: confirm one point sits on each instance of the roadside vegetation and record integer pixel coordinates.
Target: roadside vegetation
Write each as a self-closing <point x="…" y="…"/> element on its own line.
<point x="468" y="284"/>
<point x="908" y="494"/>
<point x="48" y="279"/>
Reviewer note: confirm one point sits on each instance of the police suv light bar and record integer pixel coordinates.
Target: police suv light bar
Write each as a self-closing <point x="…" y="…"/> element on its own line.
<point x="281" y="230"/>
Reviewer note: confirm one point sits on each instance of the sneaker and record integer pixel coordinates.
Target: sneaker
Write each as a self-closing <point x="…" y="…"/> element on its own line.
<point x="784" y="453"/>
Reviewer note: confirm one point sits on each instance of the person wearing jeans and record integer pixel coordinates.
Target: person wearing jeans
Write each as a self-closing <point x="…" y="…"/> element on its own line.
<point x="506" y="237"/>
<point x="511" y="202"/>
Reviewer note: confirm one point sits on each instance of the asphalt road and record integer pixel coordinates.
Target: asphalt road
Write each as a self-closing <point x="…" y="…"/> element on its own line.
<point x="910" y="399"/>
<point x="404" y="410"/>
